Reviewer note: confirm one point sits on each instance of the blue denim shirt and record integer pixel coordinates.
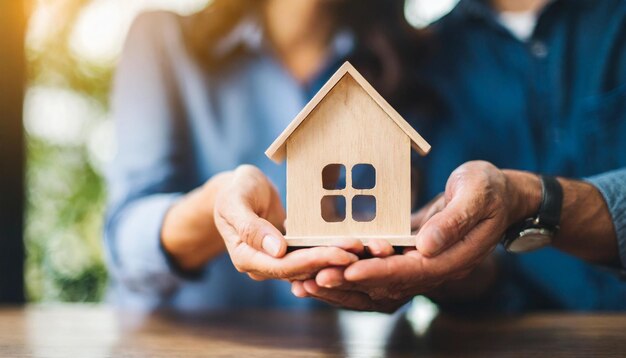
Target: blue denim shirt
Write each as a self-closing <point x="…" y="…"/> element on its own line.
<point x="555" y="105"/>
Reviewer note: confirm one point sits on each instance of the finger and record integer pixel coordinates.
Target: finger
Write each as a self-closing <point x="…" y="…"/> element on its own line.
<point x="330" y="277"/>
<point x="257" y="277"/>
<point x="385" y="271"/>
<point x="465" y="254"/>
<point x="420" y="272"/>
<point x="380" y="248"/>
<point x="297" y="265"/>
<point x="260" y="234"/>
<point x="245" y="205"/>
<point x="238" y="223"/>
<point x="407" y="249"/>
<point x="427" y="211"/>
<point x="347" y="299"/>
<point x="451" y="224"/>
<point x="414" y="273"/>
<point x="354" y="246"/>
<point x="297" y="289"/>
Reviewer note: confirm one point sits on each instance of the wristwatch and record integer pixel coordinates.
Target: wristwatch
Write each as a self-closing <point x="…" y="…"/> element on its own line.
<point x="536" y="232"/>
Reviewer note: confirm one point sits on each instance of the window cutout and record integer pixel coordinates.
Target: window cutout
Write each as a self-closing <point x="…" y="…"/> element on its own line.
<point x="333" y="208"/>
<point x="334" y="177"/>
<point x="363" y="208"/>
<point x="363" y="176"/>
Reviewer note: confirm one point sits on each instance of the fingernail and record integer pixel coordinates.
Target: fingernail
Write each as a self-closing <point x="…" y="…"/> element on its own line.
<point x="271" y="245"/>
<point x="431" y="243"/>
<point x="332" y="284"/>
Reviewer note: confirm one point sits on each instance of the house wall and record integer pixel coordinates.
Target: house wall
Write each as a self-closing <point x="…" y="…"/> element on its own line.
<point x="348" y="128"/>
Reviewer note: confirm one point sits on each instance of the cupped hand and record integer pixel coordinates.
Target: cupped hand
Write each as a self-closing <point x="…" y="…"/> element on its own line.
<point x="335" y="285"/>
<point x="249" y="216"/>
<point x="458" y="231"/>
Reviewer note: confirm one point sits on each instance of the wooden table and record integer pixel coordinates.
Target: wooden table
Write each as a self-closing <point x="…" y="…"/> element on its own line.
<point x="96" y="331"/>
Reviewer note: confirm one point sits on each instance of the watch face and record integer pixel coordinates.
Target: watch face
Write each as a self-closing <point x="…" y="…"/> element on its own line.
<point x="530" y="239"/>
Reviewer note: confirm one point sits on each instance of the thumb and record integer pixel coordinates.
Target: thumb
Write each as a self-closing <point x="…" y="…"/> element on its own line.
<point x="450" y="225"/>
<point x="241" y="226"/>
<point x="261" y="235"/>
<point x="241" y="214"/>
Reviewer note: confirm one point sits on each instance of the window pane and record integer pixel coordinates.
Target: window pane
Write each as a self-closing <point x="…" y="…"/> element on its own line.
<point x="333" y="208"/>
<point x="363" y="176"/>
<point x="363" y="208"/>
<point x="334" y="177"/>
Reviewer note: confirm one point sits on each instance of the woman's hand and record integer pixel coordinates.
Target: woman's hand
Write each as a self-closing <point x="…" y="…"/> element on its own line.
<point x="249" y="216"/>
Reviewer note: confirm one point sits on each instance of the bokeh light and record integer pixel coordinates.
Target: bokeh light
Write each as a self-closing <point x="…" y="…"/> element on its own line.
<point x="101" y="27"/>
<point x="421" y="13"/>
<point x="59" y="116"/>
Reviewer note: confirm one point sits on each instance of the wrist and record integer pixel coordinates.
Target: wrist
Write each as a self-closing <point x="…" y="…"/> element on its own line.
<point x="188" y="233"/>
<point x="523" y="192"/>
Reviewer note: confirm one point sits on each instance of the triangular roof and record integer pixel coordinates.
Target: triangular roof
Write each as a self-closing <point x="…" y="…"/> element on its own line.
<point x="276" y="151"/>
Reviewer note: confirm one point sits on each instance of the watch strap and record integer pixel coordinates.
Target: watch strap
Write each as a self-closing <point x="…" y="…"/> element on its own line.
<point x="551" y="202"/>
<point x="548" y="217"/>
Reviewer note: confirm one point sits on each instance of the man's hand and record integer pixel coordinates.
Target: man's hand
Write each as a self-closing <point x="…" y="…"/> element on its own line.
<point x="479" y="204"/>
<point x="458" y="231"/>
<point x="249" y="216"/>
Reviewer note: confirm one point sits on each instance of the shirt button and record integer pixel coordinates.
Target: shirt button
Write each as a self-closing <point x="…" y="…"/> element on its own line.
<point x="539" y="49"/>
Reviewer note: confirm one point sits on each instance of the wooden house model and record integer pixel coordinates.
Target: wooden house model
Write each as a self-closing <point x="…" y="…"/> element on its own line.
<point x="347" y="126"/>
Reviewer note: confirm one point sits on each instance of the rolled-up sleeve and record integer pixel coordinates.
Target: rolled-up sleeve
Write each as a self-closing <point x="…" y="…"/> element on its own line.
<point x="612" y="186"/>
<point x="152" y="167"/>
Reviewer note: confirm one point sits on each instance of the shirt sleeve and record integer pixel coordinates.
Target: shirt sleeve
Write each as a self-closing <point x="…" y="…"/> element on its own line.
<point x="612" y="186"/>
<point x="153" y="165"/>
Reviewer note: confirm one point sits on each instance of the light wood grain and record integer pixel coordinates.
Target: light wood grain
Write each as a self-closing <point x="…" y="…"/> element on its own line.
<point x="347" y="123"/>
<point x="337" y="240"/>
<point x="276" y="151"/>
<point x="94" y="331"/>
<point x="347" y="108"/>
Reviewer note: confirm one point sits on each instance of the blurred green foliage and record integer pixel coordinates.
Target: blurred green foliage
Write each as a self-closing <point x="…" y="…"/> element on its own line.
<point x="66" y="194"/>
<point x="66" y="108"/>
<point x="64" y="222"/>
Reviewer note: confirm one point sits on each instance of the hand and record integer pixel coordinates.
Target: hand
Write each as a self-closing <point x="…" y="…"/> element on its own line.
<point x="479" y="204"/>
<point x="458" y="230"/>
<point x="249" y="216"/>
<point x="332" y="285"/>
<point x="388" y="293"/>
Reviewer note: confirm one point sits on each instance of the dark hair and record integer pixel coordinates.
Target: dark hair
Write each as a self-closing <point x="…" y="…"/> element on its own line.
<point x="387" y="47"/>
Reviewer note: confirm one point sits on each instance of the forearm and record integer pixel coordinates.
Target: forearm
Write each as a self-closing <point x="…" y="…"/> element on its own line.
<point x="586" y="229"/>
<point x="586" y="226"/>
<point x="132" y="241"/>
<point x="189" y="234"/>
